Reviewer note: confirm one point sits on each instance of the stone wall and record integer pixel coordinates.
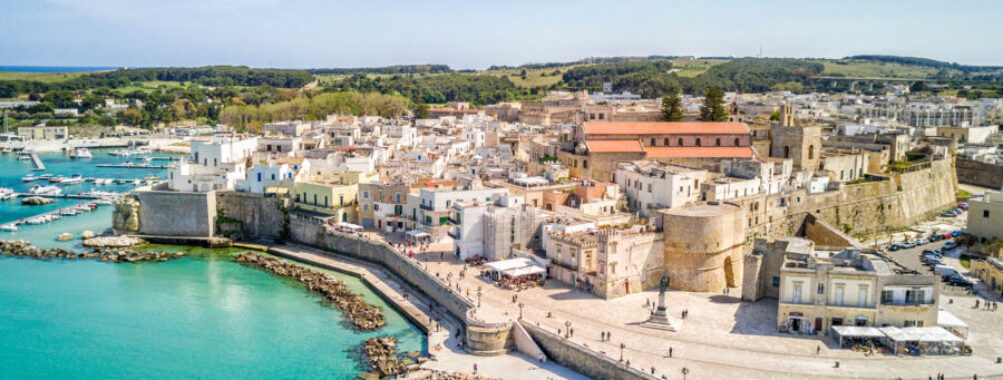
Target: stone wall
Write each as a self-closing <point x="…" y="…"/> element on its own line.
<point x="481" y="338"/>
<point x="172" y="213"/>
<point x="246" y="216"/>
<point x="580" y="359"/>
<point x="825" y="235"/>
<point x="979" y="173"/>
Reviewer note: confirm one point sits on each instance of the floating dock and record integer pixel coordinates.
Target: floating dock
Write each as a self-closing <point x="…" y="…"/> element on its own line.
<point x="68" y="196"/>
<point x="134" y="166"/>
<point x="39" y="166"/>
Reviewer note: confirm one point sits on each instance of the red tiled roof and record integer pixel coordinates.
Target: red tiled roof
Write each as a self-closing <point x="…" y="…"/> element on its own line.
<point x="700" y="152"/>
<point x="655" y="128"/>
<point x="614" y="146"/>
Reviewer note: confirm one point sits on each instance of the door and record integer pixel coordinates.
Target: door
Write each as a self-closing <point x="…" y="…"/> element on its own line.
<point x="818" y="324"/>
<point x="796" y="324"/>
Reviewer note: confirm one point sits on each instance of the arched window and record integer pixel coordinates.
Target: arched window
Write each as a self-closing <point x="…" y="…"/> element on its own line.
<point x="666" y="142"/>
<point x="787" y="152"/>
<point x="811" y="152"/>
<point x="737" y="142"/>
<point x="698" y="142"/>
<point x="679" y="142"/>
<point x="652" y="141"/>
<point x="717" y="142"/>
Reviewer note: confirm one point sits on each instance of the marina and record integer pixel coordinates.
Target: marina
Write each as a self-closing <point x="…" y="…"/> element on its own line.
<point x="133" y="166"/>
<point x="39" y="166"/>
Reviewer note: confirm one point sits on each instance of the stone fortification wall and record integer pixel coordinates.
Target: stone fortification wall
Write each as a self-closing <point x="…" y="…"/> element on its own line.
<point x="245" y="216"/>
<point x="826" y="235"/>
<point x="979" y="173"/>
<point x="171" y="213"/>
<point x="481" y="338"/>
<point x="581" y="359"/>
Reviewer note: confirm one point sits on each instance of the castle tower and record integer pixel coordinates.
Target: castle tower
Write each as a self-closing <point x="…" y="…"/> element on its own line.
<point x="803" y="145"/>
<point x="703" y="247"/>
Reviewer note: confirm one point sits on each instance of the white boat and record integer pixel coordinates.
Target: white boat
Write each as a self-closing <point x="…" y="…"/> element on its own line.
<point x="45" y="176"/>
<point x="9" y="227"/>
<point x="81" y="153"/>
<point x="56" y="179"/>
<point x="137" y="182"/>
<point x="45" y="190"/>
<point x="73" y="179"/>
<point x="29" y="178"/>
<point x="23" y="157"/>
<point x="68" y="211"/>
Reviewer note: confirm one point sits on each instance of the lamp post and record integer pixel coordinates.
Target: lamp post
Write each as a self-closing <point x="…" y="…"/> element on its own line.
<point x="567" y="329"/>
<point x="622" y="346"/>
<point x="479" y="292"/>
<point x="685" y="372"/>
<point x="520" y="309"/>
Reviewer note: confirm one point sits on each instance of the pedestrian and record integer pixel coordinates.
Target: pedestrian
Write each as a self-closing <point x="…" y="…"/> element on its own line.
<point x="647" y="302"/>
<point x="976" y="303"/>
<point x="541" y="357"/>
<point x="602" y="336"/>
<point x="475" y="368"/>
<point x="670" y="352"/>
<point x="652" y="370"/>
<point x="818" y="349"/>
<point x="571" y="332"/>
<point x="608" y="334"/>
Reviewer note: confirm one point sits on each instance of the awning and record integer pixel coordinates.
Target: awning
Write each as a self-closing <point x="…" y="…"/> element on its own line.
<point x="858" y="331"/>
<point x="349" y="226"/>
<point x="418" y="233"/>
<point x="504" y="265"/>
<point x="920" y="334"/>
<point x="946" y="319"/>
<point x="524" y="271"/>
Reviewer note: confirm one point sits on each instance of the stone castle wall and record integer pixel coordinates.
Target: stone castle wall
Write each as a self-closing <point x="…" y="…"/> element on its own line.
<point x="979" y="173"/>
<point x="703" y="248"/>
<point x="481" y="338"/>
<point x="581" y="359"/>
<point x="171" y="213"/>
<point x="251" y="216"/>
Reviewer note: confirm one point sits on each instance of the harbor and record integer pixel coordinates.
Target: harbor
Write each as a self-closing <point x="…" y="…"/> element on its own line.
<point x="133" y="166"/>
<point x="39" y="166"/>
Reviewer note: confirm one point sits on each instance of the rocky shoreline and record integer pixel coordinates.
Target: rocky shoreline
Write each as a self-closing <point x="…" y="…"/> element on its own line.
<point x="361" y="315"/>
<point x="384" y="362"/>
<point x="21" y="248"/>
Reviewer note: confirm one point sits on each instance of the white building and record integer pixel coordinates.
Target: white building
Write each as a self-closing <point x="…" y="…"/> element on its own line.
<point x="261" y="176"/>
<point x="215" y="164"/>
<point x="286" y="128"/>
<point x="650" y="185"/>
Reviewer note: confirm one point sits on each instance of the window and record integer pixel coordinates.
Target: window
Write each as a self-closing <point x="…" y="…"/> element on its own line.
<point x="985" y="213"/>
<point x="698" y="142"/>
<point x="652" y="141"/>
<point x="666" y="142"/>
<point x="717" y="142"/>
<point x="737" y="142"/>
<point x="811" y="152"/>
<point x="862" y="296"/>
<point x="821" y="288"/>
<point x="797" y="293"/>
<point x="860" y="320"/>
<point x="887" y="296"/>
<point x="273" y="176"/>
<point x="838" y="296"/>
<point x="649" y="187"/>
<point x="837" y="321"/>
<point x="776" y="282"/>
<point x="914" y="296"/>
<point x="679" y="142"/>
<point x="259" y="177"/>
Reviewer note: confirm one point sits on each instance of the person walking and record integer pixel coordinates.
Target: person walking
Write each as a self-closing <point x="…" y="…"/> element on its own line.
<point x="818" y="350"/>
<point x="670" y="352"/>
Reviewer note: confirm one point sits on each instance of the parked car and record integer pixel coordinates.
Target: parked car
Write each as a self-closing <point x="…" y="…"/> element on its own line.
<point x="936" y="237"/>
<point x="922" y="241"/>
<point x="956" y="233"/>
<point x="933" y="252"/>
<point x="957" y="280"/>
<point x="950" y="214"/>
<point x="949" y="245"/>
<point x="944" y="270"/>
<point x="894" y="247"/>
<point x="963" y="206"/>
<point x="908" y="245"/>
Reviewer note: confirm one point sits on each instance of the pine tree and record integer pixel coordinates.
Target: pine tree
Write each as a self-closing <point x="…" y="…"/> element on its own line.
<point x="420" y="109"/>
<point x="713" y="106"/>
<point x="672" y="107"/>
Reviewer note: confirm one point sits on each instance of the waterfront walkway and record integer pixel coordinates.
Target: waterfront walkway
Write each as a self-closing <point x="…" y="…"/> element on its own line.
<point x="39" y="166"/>
<point x="442" y="344"/>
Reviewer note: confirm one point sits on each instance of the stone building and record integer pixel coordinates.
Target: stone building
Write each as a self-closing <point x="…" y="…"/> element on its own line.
<point x="703" y="246"/>
<point x="650" y="185"/>
<point x="761" y="274"/>
<point x="803" y="144"/>
<point x="630" y="260"/>
<point x="985" y="216"/>
<point x="852" y="288"/>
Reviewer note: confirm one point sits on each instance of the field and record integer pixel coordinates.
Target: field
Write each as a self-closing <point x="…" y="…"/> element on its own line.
<point x="41" y="77"/>
<point x="534" y="77"/>
<point x="690" y="68"/>
<point x="857" y="68"/>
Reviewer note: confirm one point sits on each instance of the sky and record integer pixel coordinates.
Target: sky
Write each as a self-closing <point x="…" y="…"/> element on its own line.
<point x="476" y="34"/>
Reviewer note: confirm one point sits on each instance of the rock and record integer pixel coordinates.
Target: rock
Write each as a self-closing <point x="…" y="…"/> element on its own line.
<point x="87" y="234"/>
<point x="113" y="242"/>
<point x="65" y="236"/>
<point x="35" y="201"/>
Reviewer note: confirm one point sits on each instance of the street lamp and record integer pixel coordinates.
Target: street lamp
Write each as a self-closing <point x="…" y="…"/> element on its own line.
<point x="520" y="309"/>
<point x="567" y="329"/>
<point x="622" y="346"/>
<point x="479" y="292"/>
<point x="685" y="372"/>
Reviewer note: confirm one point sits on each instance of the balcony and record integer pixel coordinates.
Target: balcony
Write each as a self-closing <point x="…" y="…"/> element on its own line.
<point x="427" y="208"/>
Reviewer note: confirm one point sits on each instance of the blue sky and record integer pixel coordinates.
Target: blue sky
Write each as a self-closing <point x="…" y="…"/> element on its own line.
<point x="476" y="34"/>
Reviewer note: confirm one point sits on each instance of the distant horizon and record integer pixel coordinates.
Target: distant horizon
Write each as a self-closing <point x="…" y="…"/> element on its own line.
<point x="81" y="68"/>
<point x="476" y="35"/>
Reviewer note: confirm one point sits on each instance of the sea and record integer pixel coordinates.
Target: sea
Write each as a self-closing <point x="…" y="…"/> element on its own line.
<point x="55" y="69"/>
<point x="202" y="316"/>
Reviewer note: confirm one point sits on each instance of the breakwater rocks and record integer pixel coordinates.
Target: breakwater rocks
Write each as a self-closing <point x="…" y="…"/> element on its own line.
<point x="381" y="355"/>
<point x="36" y="201"/>
<point x="111" y="241"/>
<point x="21" y="248"/>
<point x="360" y="314"/>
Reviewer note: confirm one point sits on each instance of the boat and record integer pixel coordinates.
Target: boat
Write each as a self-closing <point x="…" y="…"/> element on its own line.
<point x="81" y="152"/>
<point x="9" y="227"/>
<point x="56" y="179"/>
<point x="45" y="190"/>
<point x="73" y="179"/>
<point x="29" y="178"/>
<point x="137" y="182"/>
<point x="68" y="211"/>
<point x="151" y="178"/>
<point x="6" y="194"/>
<point x="45" y="176"/>
<point x="23" y="157"/>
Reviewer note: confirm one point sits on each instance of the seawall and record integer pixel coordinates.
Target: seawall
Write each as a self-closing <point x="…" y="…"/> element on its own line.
<point x="481" y="338"/>
<point x="580" y="358"/>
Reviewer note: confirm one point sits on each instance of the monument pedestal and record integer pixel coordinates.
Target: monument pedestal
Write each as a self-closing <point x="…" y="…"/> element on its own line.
<point x="660" y="320"/>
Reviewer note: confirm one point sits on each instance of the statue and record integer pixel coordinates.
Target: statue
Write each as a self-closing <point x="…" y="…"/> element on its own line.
<point x="659" y="319"/>
<point x="664" y="284"/>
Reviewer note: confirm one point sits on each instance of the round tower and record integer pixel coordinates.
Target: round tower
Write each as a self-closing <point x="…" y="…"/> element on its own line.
<point x="703" y="246"/>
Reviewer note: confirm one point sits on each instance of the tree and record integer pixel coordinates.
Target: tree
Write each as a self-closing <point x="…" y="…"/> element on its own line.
<point x="672" y="107"/>
<point x="91" y="102"/>
<point x="420" y="109"/>
<point x="713" y="106"/>
<point x="132" y="116"/>
<point x="775" y="116"/>
<point x="917" y="86"/>
<point x="523" y="74"/>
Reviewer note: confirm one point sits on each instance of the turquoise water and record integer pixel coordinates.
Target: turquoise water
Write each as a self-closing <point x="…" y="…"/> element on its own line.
<point x="202" y="316"/>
